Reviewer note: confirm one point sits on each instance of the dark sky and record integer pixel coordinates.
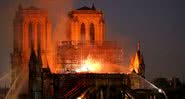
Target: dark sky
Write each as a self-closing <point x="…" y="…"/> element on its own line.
<point x="158" y="24"/>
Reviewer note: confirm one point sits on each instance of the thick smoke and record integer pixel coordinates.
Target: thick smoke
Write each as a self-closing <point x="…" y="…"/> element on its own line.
<point x="58" y="13"/>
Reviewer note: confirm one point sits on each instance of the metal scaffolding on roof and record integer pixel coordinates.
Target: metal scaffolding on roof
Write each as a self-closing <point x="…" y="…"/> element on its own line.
<point x="70" y="54"/>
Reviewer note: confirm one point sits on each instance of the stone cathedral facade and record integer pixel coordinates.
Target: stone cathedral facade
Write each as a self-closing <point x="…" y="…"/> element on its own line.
<point x="32" y="30"/>
<point x="32" y="49"/>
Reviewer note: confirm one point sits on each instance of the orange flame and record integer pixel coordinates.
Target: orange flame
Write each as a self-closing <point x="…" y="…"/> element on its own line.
<point x="135" y="64"/>
<point x="90" y="65"/>
<point x="93" y="65"/>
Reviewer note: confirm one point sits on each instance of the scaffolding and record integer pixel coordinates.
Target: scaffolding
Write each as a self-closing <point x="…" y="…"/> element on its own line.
<point x="70" y="54"/>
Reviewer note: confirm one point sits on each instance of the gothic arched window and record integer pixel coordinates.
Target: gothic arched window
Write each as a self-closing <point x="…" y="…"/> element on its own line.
<point x="30" y="34"/>
<point x="92" y="34"/>
<point x="82" y="32"/>
<point x="39" y="34"/>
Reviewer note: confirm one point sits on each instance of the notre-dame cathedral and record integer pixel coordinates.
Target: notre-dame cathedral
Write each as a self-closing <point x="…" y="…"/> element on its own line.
<point x="33" y="76"/>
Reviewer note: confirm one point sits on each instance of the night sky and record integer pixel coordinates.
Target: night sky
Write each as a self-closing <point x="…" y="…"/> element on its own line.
<point x="158" y="24"/>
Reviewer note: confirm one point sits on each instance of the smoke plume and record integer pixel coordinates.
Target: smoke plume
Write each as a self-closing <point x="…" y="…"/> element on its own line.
<point x="58" y="13"/>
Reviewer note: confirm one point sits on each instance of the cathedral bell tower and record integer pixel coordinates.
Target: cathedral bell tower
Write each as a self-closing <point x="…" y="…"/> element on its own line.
<point x="86" y="25"/>
<point x="31" y="28"/>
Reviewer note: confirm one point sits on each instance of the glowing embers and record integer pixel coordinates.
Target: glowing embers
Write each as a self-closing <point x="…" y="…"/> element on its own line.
<point x="90" y="65"/>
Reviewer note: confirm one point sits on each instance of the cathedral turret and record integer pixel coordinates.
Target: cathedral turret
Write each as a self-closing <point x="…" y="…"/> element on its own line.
<point x="32" y="63"/>
<point x="137" y="62"/>
<point x="35" y="75"/>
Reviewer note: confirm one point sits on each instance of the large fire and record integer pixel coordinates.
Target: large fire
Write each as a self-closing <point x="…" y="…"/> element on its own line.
<point x="90" y="65"/>
<point x="93" y="65"/>
<point x="85" y="58"/>
<point x="134" y="66"/>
